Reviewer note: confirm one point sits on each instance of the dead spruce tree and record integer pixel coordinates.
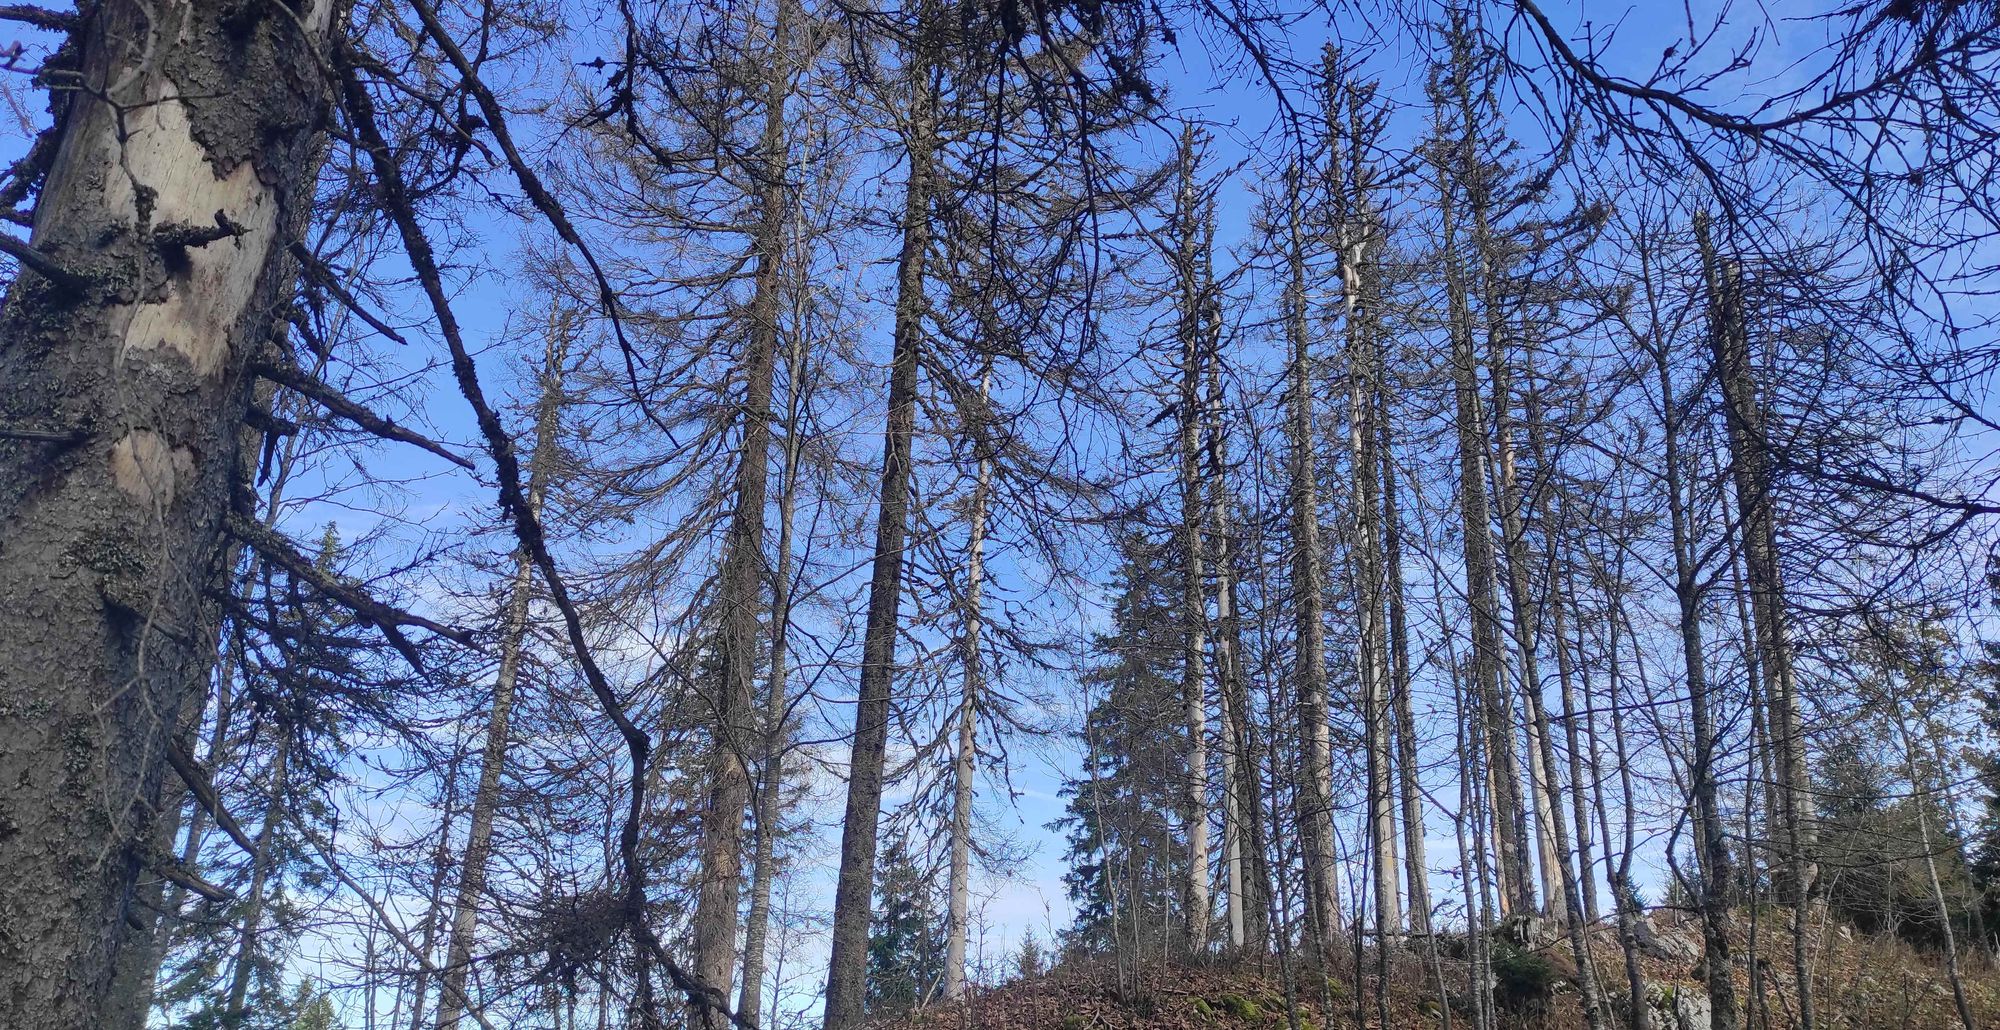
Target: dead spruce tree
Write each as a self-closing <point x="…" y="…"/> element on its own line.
<point x="177" y="172"/>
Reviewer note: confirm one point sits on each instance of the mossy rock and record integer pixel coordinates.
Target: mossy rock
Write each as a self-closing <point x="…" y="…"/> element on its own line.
<point x="1203" y="1009"/>
<point x="1240" y="1007"/>
<point x="1074" y="1022"/>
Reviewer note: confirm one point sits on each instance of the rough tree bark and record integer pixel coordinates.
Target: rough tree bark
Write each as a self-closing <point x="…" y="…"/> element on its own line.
<point x="847" y="973"/>
<point x="744" y="569"/>
<point x="183" y="162"/>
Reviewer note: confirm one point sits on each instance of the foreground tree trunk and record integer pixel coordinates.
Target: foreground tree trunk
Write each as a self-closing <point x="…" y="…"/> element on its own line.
<point x="847" y="967"/>
<point x="1750" y="467"/>
<point x="126" y="355"/>
<point x="744" y="571"/>
<point x="1711" y="840"/>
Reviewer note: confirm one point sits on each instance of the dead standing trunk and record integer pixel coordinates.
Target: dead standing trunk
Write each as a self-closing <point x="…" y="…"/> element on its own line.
<point x="1193" y="295"/>
<point x="1315" y="790"/>
<point x="1416" y="867"/>
<point x="1750" y="466"/>
<point x="1517" y="892"/>
<point x="1688" y="590"/>
<point x="770" y="787"/>
<point x="847" y="974"/>
<point x="514" y="631"/>
<point x="744" y="570"/>
<point x="127" y="357"/>
<point x="1249" y="877"/>
<point x="964" y="760"/>
<point x="1354" y="229"/>
<point x="1463" y="192"/>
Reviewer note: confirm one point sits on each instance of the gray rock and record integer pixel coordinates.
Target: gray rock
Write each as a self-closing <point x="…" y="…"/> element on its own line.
<point x="1677" y="1008"/>
<point x="1670" y="946"/>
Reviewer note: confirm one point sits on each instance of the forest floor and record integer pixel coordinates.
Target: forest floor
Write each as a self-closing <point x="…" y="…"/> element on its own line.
<point x="1859" y="983"/>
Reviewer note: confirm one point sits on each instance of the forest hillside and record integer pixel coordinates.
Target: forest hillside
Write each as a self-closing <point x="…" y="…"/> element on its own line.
<point x="1868" y="983"/>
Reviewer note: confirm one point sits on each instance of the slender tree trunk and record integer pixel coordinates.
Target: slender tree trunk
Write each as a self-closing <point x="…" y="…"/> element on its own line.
<point x="1624" y="895"/>
<point x="1461" y="174"/>
<point x="261" y="864"/>
<point x="1714" y="845"/>
<point x="1507" y="498"/>
<point x="1315" y="789"/>
<point x="744" y="569"/>
<point x="1416" y="866"/>
<point x="513" y="637"/>
<point x="441" y="861"/>
<point x="963" y="766"/>
<point x="847" y="975"/>
<point x="1190" y="214"/>
<point x="1371" y="651"/>
<point x="1750" y="467"/>
<point x="1580" y="765"/>
<point x="1517" y="891"/>
<point x="128" y="353"/>
<point x="1920" y="792"/>
<point x="770" y="788"/>
<point x="1242" y="794"/>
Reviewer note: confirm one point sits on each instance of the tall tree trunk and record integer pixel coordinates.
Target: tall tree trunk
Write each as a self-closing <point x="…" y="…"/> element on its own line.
<point x="1581" y="766"/>
<point x="513" y="637"/>
<point x="1517" y="892"/>
<point x="1193" y="295"/>
<point x="770" y="788"/>
<point x="127" y="357"/>
<point x="1624" y="894"/>
<point x="744" y="569"/>
<point x="1714" y="848"/>
<point x="1371" y="650"/>
<point x="1315" y="789"/>
<point x="1416" y="866"/>
<point x="1920" y="794"/>
<point x="847" y="974"/>
<point x="1249" y="883"/>
<point x="1750" y="466"/>
<point x="964" y="760"/>
<point x="1469" y="265"/>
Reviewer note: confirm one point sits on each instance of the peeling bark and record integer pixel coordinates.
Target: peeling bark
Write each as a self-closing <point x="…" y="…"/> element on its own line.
<point x="196" y="115"/>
